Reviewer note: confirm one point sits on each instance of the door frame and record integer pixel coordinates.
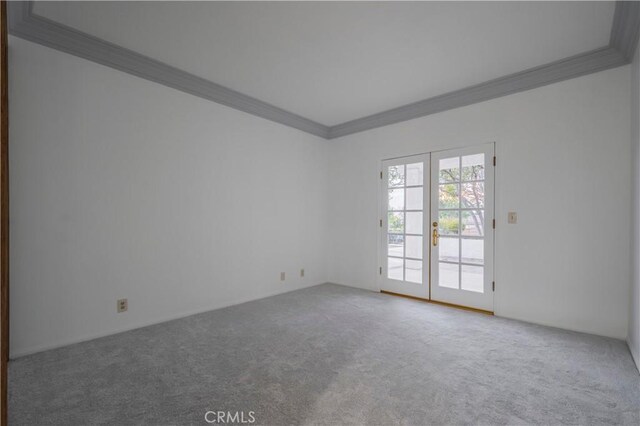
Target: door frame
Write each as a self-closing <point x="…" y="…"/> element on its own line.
<point x="4" y="213"/>
<point x="381" y="255"/>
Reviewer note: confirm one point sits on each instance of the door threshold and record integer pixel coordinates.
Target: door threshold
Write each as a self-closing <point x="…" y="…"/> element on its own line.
<point x="450" y="305"/>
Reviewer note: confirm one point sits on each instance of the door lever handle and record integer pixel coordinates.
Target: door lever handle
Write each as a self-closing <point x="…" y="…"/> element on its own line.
<point x="435" y="236"/>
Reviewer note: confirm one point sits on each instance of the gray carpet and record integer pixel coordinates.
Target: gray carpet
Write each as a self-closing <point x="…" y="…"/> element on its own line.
<point x="332" y="355"/>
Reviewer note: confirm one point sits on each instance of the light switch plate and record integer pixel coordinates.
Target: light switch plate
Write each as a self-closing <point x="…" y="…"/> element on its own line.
<point x="281" y="276"/>
<point x="512" y="217"/>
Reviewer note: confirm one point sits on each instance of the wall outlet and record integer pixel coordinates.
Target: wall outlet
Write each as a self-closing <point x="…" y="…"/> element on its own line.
<point x="512" y="217"/>
<point x="123" y="305"/>
<point x="281" y="276"/>
<point x="302" y="272"/>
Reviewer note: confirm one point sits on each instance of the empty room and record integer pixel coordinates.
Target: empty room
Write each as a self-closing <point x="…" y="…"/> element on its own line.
<point x="319" y="213"/>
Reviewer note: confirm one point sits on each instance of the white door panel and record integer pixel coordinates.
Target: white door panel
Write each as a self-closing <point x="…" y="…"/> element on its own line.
<point x="462" y="182"/>
<point x="405" y="213"/>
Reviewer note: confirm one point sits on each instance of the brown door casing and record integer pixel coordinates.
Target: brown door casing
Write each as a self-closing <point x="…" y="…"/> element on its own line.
<point x="4" y="214"/>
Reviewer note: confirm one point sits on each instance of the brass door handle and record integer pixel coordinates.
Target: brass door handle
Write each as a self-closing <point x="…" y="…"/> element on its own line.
<point x="435" y="236"/>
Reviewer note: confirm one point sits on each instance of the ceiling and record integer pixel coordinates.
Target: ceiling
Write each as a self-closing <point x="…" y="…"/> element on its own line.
<point x="334" y="62"/>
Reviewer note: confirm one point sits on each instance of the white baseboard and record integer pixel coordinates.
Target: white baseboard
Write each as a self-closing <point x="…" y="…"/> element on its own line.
<point x="92" y="336"/>
<point x="497" y="313"/>
<point x="634" y="354"/>
<point x="355" y="286"/>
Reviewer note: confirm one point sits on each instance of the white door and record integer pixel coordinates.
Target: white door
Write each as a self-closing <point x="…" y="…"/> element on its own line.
<point x="404" y="222"/>
<point x="461" y="228"/>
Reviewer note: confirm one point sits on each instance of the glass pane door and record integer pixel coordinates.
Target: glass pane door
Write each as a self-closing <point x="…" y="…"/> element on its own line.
<point x="462" y="227"/>
<point x="404" y="213"/>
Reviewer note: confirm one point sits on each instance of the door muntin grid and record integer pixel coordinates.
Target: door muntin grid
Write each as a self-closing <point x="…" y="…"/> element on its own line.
<point x="461" y="222"/>
<point x="405" y="222"/>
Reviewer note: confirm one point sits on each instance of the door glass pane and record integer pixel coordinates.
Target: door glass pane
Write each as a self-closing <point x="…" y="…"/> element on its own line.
<point x="413" y="271"/>
<point x="472" y="251"/>
<point x="413" y="247"/>
<point x="396" y="199"/>
<point x="450" y="169"/>
<point x="460" y="203"/>
<point x="473" y="167"/>
<point x="414" y="223"/>
<point x="414" y="198"/>
<point x="448" y="223"/>
<point x="396" y="222"/>
<point x="414" y="174"/>
<point x="395" y="245"/>
<point x="473" y="223"/>
<point x="405" y="188"/>
<point x="449" y="249"/>
<point x="473" y="278"/>
<point x="448" y="197"/>
<point x="448" y="275"/>
<point x="396" y="175"/>
<point x="394" y="268"/>
<point x="472" y="195"/>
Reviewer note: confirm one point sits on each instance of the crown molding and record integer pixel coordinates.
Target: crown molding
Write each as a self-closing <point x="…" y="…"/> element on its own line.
<point x="25" y="24"/>
<point x="625" y="28"/>
<point x="622" y="45"/>
<point x="575" y="66"/>
<point x="624" y="38"/>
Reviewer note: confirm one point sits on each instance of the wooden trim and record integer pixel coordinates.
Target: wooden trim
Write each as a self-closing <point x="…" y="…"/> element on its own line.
<point x="4" y="214"/>
<point x="450" y="305"/>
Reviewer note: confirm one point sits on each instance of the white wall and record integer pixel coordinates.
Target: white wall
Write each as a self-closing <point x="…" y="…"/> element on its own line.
<point x="121" y="187"/>
<point x="124" y="188"/>
<point x="563" y="165"/>
<point x="634" y="300"/>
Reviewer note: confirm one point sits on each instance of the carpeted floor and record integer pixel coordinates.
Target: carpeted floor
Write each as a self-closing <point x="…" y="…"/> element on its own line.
<point x="331" y="355"/>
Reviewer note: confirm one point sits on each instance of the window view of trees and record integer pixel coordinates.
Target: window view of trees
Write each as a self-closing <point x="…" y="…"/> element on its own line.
<point x="460" y="208"/>
<point x="461" y="199"/>
<point x="468" y="195"/>
<point x="396" y="176"/>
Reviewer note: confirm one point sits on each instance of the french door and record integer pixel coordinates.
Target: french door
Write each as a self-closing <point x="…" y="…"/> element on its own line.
<point x="437" y="226"/>
<point x="462" y="183"/>
<point x="405" y="220"/>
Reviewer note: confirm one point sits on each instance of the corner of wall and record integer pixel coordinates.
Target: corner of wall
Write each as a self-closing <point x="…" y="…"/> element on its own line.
<point x="633" y="336"/>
